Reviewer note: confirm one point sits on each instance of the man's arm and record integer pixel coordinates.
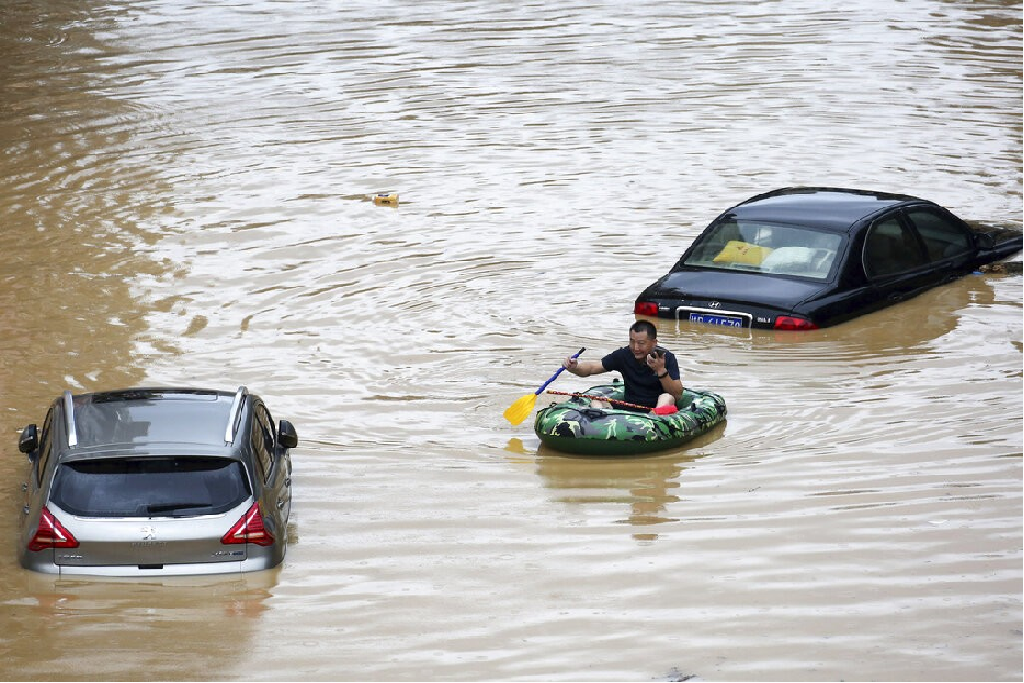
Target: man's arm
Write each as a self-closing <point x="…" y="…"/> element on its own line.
<point x="672" y="386"/>
<point x="583" y="368"/>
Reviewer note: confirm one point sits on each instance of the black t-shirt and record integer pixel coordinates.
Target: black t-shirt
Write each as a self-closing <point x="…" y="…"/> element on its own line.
<point x="642" y="385"/>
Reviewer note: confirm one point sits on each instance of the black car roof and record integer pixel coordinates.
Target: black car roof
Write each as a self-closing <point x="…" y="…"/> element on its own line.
<point x="828" y="208"/>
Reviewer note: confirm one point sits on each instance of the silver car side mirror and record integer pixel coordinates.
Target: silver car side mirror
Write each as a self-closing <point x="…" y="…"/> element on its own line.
<point x="29" y="440"/>
<point x="286" y="435"/>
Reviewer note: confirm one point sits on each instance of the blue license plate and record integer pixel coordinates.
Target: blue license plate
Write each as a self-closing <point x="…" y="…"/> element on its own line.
<point x="709" y="319"/>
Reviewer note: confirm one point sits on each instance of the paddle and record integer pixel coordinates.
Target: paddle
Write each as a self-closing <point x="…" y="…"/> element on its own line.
<point x="521" y="409"/>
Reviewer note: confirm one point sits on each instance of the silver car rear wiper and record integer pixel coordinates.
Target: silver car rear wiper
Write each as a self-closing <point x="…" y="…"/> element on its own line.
<point x="167" y="507"/>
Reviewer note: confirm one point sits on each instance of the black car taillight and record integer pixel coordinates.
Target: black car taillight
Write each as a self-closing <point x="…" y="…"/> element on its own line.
<point x="249" y="529"/>
<point x="648" y="308"/>
<point x="51" y="534"/>
<point x="789" y="322"/>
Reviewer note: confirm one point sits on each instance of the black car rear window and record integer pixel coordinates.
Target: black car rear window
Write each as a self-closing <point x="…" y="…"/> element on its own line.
<point x="150" y="487"/>
<point x="767" y="248"/>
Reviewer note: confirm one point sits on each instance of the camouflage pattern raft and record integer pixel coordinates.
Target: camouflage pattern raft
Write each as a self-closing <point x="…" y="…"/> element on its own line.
<point x="574" y="427"/>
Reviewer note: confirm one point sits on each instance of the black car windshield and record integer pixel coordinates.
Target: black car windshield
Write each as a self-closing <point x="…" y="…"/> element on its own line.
<point x="767" y="248"/>
<point x="150" y="487"/>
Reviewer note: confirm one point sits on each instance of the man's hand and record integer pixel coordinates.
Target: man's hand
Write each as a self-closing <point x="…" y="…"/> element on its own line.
<point x="656" y="362"/>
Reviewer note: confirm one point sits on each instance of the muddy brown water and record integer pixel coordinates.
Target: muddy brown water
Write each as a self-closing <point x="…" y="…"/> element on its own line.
<point x="183" y="200"/>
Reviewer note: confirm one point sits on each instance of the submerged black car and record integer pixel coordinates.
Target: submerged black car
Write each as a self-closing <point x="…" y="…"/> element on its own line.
<point x="803" y="258"/>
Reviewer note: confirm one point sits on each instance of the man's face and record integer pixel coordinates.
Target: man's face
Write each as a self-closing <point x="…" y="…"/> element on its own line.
<point x="640" y="345"/>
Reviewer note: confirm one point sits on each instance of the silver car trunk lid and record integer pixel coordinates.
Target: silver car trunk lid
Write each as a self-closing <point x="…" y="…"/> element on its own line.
<point x="150" y="510"/>
<point x="149" y="542"/>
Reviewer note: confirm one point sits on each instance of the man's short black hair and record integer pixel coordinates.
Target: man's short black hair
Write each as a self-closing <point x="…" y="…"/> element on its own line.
<point x="645" y="326"/>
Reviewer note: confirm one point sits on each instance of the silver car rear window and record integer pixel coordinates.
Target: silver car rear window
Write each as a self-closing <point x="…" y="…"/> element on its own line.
<point x="150" y="487"/>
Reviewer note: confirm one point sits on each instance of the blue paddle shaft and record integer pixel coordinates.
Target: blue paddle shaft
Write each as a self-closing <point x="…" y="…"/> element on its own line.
<point x="559" y="372"/>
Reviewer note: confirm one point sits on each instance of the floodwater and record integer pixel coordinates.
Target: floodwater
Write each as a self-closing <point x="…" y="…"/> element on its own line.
<point x="183" y="200"/>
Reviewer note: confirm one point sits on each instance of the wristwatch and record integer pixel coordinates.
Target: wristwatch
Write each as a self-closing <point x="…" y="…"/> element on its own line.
<point x="663" y="375"/>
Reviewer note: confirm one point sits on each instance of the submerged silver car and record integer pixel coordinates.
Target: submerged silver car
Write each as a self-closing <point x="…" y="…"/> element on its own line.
<point x="155" y="482"/>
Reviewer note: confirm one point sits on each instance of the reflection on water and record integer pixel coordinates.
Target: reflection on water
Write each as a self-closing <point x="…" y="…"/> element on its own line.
<point x="180" y="628"/>
<point x="902" y="329"/>
<point x="646" y="485"/>
<point x="182" y="202"/>
<point x="643" y="485"/>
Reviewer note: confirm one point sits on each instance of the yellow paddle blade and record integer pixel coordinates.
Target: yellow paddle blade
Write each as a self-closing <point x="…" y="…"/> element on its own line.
<point x="521" y="409"/>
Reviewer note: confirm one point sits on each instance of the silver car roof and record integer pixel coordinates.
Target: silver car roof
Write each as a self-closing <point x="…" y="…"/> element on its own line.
<point x="152" y="420"/>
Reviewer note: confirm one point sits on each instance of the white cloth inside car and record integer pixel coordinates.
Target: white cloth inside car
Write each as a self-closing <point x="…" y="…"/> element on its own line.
<point x="797" y="261"/>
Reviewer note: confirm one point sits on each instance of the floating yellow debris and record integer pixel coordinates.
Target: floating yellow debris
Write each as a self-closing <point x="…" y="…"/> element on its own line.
<point x="386" y="199"/>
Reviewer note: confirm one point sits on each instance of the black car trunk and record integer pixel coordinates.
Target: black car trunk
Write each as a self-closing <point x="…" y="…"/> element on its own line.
<point x="736" y="290"/>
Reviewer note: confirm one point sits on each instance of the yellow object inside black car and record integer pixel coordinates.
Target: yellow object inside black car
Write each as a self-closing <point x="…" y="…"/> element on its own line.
<point x="742" y="252"/>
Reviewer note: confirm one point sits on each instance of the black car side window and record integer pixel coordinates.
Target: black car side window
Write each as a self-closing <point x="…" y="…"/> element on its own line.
<point x="942" y="237"/>
<point x="890" y="249"/>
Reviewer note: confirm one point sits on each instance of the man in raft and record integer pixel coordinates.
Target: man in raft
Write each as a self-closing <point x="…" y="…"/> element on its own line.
<point x="650" y="373"/>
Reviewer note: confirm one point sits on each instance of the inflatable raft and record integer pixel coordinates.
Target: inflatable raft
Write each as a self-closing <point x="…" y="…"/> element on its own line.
<point x="572" y="426"/>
